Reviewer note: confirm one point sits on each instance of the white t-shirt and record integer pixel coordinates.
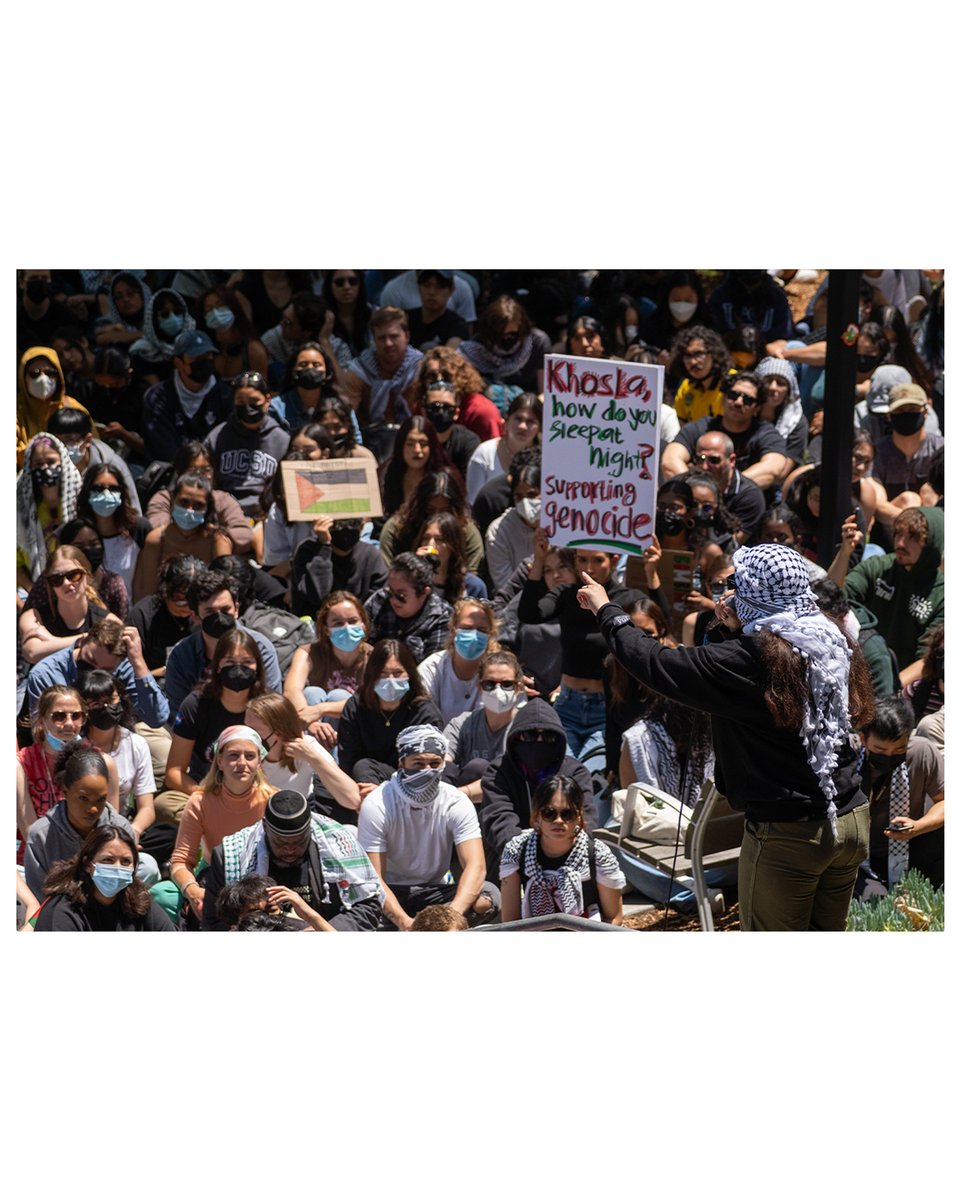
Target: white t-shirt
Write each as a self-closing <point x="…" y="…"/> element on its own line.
<point x="301" y="779"/>
<point x="418" y="840"/>
<point x="450" y="694"/>
<point x="482" y="467"/>
<point x="134" y="766"/>
<point x="120" y="554"/>
<point x="402" y="292"/>
<point x="608" y="872"/>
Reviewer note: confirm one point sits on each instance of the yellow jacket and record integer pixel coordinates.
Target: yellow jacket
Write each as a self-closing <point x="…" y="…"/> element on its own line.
<point x="33" y="414"/>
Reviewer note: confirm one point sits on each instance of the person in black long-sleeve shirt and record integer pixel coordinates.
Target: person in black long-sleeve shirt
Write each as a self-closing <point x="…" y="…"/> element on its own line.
<point x="781" y="724"/>
<point x="580" y="704"/>
<point x="334" y="560"/>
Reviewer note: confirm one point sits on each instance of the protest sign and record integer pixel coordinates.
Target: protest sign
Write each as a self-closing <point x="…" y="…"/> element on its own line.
<point x="601" y="449"/>
<point x="331" y="487"/>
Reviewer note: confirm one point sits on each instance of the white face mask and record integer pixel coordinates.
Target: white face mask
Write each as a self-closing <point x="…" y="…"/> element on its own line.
<point x="499" y="700"/>
<point x="682" y="310"/>
<point x="42" y="388"/>
<point x="631" y="331"/>
<point x="529" y="509"/>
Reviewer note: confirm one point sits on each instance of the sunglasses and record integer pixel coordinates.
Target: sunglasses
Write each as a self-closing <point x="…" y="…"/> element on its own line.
<point x="346" y="281"/>
<point x="251" y="379"/>
<point x="713" y="459"/>
<point x="193" y="505"/>
<point x="491" y="685"/>
<point x="59" y="716"/>
<point x="539" y="735"/>
<point x="745" y="400"/>
<point x="56" y="578"/>
<point x="400" y="597"/>
<point x="565" y="814"/>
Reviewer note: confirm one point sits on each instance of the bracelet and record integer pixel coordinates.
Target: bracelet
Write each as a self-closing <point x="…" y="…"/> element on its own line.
<point x="186" y="887"/>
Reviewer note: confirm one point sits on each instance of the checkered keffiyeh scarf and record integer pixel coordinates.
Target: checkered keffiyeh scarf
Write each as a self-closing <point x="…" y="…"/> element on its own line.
<point x="788" y="418"/>
<point x="345" y="864"/>
<point x="30" y="536"/>
<point x="898" y="849"/>
<point x="566" y="893"/>
<point x="365" y="365"/>
<point x="772" y="587"/>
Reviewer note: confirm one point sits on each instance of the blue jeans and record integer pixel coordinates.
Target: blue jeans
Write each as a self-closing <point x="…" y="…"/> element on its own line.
<point x="319" y="695"/>
<point x="584" y="719"/>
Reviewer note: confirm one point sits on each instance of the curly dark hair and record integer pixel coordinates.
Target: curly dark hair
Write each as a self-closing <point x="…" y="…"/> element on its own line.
<point x="71" y="878"/>
<point x="713" y="344"/>
<point x="465" y="378"/>
<point x="785" y="687"/>
<point x="412" y="515"/>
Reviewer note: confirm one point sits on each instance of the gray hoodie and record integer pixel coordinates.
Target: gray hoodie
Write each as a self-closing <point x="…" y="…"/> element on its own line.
<point x="53" y="838"/>
<point x="247" y="459"/>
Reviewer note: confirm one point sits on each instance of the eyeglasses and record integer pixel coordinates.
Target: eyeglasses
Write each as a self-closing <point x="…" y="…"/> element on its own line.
<point x="400" y="597"/>
<point x="692" y="355"/>
<point x="713" y="459"/>
<point x="491" y="685"/>
<point x="59" y="716"/>
<point x="193" y="505"/>
<point x="565" y="814"/>
<point x="345" y="281"/>
<point x="250" y="379"/>
<point x="745" y="400"/>
<point x="56" y="578"/>
<point x="539" y="735"/>
<point x="99" y="488"/>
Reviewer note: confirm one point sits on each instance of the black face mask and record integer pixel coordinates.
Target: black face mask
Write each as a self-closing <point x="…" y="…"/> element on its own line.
<point x="537" y="757"/>
<point x="441" y="415"/>
<point x="885" y="763"/>
<point x="39" y="290"/>
<point x="341" y="441"/>
<point x="251" y="413"/>
<point x="216" y="624"/>
<point x="236" y="678"/>
<point x="93" y="555"/>
<point x="46" y="476"/>
<point x="867" y="363"/>
<point x="344" y="538"/>
<point x="310" y="378"/>
<point x="670" y="524"/>
<point x="201" y="370"/>
<point x="907" y="422"/>
<point x="106" y="717"/>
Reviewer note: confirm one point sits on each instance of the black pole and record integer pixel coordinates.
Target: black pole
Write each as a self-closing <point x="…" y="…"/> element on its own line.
<point x="839" y="398"/>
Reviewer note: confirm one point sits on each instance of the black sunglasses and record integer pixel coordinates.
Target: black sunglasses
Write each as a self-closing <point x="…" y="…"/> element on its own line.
<point x="490" y="685"/>
<point x="550" y="736"/>
<point x="345" y="281"/>
<point x="565" y="814"/>
<point x="56" y="578"/>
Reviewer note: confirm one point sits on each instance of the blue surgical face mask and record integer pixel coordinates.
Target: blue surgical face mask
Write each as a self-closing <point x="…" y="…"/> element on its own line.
<point x="171" y="324"/>
<point x="390" y="689"/>
<point x="470" y="643"/>
<point x="188" y="518"/>
<point x="76" y="452"/>
<point x="109" y="879"/>
<point x="219" y="318"/>
<point x="347" y="637"/>
<point x="105" y="503"/>
<point x="57" y="744"/>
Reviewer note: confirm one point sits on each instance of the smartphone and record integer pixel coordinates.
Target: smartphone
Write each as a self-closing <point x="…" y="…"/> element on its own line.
<point x="897" y="828"/>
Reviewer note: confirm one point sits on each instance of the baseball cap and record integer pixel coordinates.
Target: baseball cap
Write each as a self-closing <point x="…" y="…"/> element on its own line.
<point x="881" y="381"/>
<point x="907" y="395"/>
<point x="192" y="343"/>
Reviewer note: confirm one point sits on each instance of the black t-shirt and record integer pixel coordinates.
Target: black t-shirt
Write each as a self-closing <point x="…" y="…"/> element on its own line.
<point x="493" y="499"/>
<point x="746" y="501"/>
<point x="425" y="335"/>
<point x="758" y="439"/>
<point x="460" y="446"/>
<point x="61" y="915"/>
<point x="159" y="629"/>
<point x="202" y="721"/>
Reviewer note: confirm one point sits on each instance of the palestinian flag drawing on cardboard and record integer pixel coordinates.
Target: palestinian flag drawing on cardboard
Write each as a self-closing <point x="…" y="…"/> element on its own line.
<point x="336" y="487"/>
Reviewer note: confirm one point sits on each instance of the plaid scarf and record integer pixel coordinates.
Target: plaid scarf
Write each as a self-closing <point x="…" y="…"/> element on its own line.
<point x="345" y="864"/>
<point x="30" y="535"/>
<point x="772" y="588"/>
<point x="365" y="365"/>
<point x="566" y="893"/>
<point x="898" y="850"/>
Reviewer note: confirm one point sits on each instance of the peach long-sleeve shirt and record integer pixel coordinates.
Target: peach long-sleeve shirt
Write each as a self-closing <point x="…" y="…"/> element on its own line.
<point x="210" y="817"/>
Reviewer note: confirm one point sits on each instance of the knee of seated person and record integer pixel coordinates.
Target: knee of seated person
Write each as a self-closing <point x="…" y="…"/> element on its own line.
<point x="169" y="806"/>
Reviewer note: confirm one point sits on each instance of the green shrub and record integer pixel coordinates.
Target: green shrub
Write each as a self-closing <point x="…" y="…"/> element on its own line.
<point x="914" y="904"/>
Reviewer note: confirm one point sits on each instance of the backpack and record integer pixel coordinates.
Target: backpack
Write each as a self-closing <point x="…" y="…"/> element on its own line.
<point x="281" y="628"/>
<point x="591" y="896"/>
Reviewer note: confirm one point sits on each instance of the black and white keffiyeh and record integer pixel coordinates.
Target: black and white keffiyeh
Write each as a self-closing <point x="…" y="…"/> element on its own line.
<point x="30" y="534"/>
<point x="898" y="849"/>
<point x="494" y="365"/>
<point x="565" y="893"/>
<point x="791" y="412"/>
<point x="422" y="739"/>
<point x="772" y="587"/>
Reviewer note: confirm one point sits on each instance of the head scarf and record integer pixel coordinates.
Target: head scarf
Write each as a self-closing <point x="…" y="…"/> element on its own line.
<point x="30" y="535"/>
<point x="422" y="739"/>
<point x="791" y="411"/>
<point x="773" y="593"/>
<point x="234" y="733"/>
<point x="155" y="346"/>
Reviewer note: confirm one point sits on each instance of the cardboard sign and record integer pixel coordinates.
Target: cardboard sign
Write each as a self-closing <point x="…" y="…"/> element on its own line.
<point x="331" y="487"/>
<point x="601" y="449"/>
<point x="676" y="570"/>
